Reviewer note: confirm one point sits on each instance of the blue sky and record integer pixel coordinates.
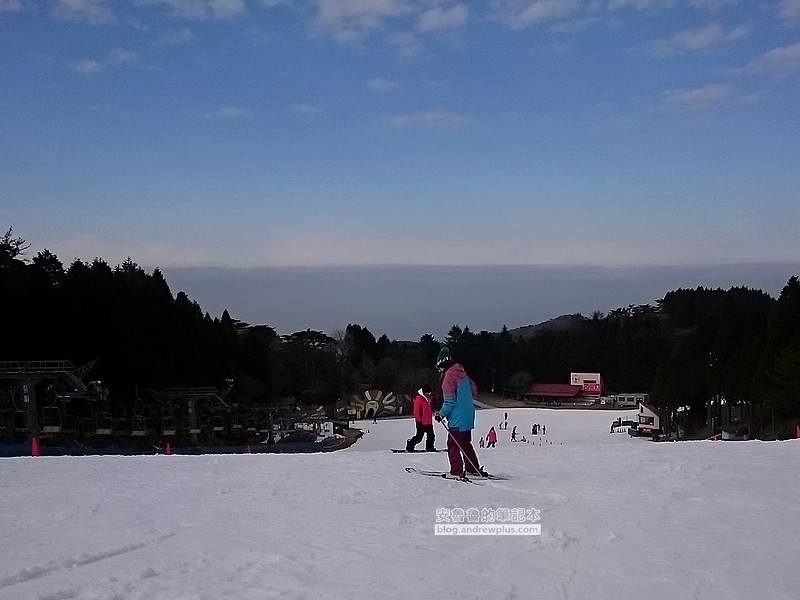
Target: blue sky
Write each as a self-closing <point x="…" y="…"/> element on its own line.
<point x="283" y="133"/>
<point x="261" y="133"/>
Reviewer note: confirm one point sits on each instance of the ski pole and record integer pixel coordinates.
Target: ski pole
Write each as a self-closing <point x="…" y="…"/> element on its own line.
<point x="450" y="434"/>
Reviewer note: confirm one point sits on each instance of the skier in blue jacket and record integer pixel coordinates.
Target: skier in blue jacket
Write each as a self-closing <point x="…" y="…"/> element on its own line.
<point x="459" y="391"/>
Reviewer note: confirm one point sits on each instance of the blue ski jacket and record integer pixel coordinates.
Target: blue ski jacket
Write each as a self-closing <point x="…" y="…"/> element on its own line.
<point x="459" y="391"/>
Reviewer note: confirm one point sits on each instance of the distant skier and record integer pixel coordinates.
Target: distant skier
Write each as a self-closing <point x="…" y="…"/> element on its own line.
<point x="480" y="443"/>
<point x="514" y="434"/>
<point x="544" y="430"/>
<point x="458" y="407"/>
<point x="491" y="438"/>
<point x="423" y="420"/>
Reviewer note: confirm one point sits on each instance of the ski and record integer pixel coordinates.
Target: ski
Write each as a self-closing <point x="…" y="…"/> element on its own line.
<point x="447" y="475"/>
<point x="442" y="475"/>
<point x="399" y="450"/>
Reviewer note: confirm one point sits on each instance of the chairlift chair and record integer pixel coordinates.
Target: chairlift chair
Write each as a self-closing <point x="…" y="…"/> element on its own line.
<point x="236" y="423"/>
<point x="205" y="423"/>
<point x="22" y="421"/>
<point x="88" y="427"/>
<point x="69" y="424"/>
<point x="51" y="419"/>
<point x="138" y="426"/>
<point x="105" y="424"/>
<point x="191" y="424"/>
<point x="168" y="426"/>
<point x="218" y="423"/>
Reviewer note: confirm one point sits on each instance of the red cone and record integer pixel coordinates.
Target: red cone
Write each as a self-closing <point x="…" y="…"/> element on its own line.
<point x="169" y="449"/>
<point x="34" y="447"/>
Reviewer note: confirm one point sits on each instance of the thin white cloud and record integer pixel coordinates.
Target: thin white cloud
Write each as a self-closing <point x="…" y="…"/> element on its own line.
<point x="442" y="19"/>
<point x="179" y="37"/>
<point x="198" y="10"/>
<point x="405" y="43"/>
<point x="351" y="20"/>
<point x="573" y="26"/>
<point x="700" y="97"/>
<point x="780" y="61"/>
<point x="224" y="9"/>
<point x="259" y="36"/>
<point x="790" y="10"/>
<point x="228" y="112"/>
<point x="382" y="85"/>
<point x="93" y="12"/>
<point x="306" y="109"/>
<point x="712" y="5"/>
<point x="697" y="40"/>
<point x="434" y="119"/>
<point x="117" y="58"/>
<point x="519" y="14"/>
<point x="640" y="4"/>
<point x="10" y="5"/>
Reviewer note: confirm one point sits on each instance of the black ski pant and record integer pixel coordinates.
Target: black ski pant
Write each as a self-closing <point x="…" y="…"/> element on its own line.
<point x="421" y="431"/>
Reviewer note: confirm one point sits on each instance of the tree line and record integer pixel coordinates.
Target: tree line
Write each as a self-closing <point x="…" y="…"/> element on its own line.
<point x="707" y="357"/>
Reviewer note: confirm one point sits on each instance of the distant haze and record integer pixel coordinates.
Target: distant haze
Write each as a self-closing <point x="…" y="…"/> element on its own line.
<point x="405" y="302"/>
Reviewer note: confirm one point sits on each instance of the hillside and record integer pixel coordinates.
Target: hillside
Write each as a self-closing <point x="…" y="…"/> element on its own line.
<point x="562" y="323"/>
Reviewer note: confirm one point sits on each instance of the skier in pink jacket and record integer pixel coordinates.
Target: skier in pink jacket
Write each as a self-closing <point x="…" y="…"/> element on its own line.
<point x="423" y="419"/>
<point x="491" y="438"/>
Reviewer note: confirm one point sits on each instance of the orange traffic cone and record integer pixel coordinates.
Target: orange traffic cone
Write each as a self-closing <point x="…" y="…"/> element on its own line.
<point x="34" y="447"/>
<point x="169" y="449"/>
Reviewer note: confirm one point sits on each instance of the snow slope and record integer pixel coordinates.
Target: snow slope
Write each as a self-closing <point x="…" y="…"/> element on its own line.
<point x="621" y="518"/>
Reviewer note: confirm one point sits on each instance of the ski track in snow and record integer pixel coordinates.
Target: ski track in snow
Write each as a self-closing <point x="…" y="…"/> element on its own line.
<point x="621" y="518"/>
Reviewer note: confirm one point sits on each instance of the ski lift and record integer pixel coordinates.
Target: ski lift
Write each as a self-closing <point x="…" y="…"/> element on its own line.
<point x="262" y="421"/>
<point x="168" y="425"/>
<point x="105" y="424"/>
<point x="88" y="426"/>
<point x="138" y="426"/>
<point x="218" y="423"/>
<point x="68" y="423"/>
<point x="191" y="424"/>
<point x="236" y="423"/>
<point x="22" y="421"/>
<point x="51" y="419"/>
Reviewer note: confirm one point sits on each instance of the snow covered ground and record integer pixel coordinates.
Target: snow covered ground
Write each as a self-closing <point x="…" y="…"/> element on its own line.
<point x="620" y="517"/>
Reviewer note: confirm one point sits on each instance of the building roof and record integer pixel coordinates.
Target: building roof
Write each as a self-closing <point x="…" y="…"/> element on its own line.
<point x="559" y="390"/>
<point x="652" y="409"/>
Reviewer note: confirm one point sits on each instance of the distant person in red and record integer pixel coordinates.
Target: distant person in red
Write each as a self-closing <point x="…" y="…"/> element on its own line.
<point x="491" y="438"/>
<point x="423" y="419"/>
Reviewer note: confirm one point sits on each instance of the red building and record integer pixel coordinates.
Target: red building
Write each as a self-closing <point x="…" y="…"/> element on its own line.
<point x="554" y="394"/>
